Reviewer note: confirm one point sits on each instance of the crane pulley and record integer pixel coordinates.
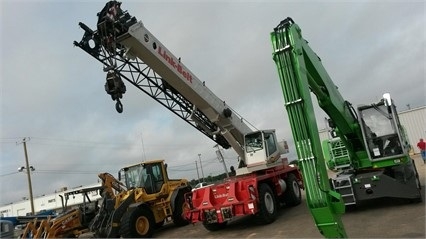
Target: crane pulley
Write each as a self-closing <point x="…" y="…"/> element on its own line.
<point x="115" y="87"/>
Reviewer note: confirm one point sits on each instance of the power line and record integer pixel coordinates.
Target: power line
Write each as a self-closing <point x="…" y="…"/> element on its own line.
<point x="14" y="139"/>
<point x="181" y="170"/>
<point x="54" y="172"/>
<point x="7" y="174"/>
<point x="86" y="143"/>
<point x="67" y="172"/>
<point x="181" y="165"/>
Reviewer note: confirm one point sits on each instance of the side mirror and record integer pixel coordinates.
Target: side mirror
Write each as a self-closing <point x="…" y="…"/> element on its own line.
<point x="331" y="123"/>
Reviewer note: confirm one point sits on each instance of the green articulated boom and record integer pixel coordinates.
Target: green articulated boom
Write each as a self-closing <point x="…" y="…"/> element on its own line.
<point x="290" y="56"/>
<point x="370" y="152"/>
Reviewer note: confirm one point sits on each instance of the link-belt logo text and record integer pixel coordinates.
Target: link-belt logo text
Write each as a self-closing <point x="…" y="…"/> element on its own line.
<point x="175" y="64"/>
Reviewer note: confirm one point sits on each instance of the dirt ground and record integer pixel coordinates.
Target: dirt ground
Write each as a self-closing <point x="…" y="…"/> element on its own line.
<point x="385" y="218"/>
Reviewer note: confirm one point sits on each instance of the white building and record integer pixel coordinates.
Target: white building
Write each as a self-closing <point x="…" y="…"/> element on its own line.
<point x="48" y="202"/>
<point x="414" y="122"/>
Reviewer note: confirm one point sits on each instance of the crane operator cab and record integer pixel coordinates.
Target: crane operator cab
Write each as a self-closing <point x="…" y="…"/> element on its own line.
<point x="383" y="134"/>
<point x="261" y="150"/>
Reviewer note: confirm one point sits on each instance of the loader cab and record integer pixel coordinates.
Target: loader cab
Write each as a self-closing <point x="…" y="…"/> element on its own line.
<point x="150" y="176"/>
<point x="381" y="130"/>
<point x="261" y="147"/>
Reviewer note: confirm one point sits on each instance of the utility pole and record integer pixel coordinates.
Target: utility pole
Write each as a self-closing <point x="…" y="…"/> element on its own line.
<point x="221" y="159"/>
<point x="201" y="166"/>
<point x="28" y="168"/>
<point x="143" y="148"/>
<point x="198" y="174"/>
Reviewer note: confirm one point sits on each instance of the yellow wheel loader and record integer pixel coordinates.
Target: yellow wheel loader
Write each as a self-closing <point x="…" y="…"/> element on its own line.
<point x="149" y="200"/>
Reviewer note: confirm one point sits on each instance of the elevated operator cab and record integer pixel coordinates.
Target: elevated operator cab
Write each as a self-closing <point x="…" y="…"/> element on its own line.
<point x="381" y="130"/>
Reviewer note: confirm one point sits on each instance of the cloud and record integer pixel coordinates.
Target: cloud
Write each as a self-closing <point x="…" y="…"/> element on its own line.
<point x="54" y="93"/>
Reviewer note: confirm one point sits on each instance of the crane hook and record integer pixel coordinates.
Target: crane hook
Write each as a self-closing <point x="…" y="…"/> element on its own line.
<point x="119" y="106"/>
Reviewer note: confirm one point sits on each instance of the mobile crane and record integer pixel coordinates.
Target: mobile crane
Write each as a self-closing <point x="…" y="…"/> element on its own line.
<point x="377" y="164"/>
<point x="130" y="51"/>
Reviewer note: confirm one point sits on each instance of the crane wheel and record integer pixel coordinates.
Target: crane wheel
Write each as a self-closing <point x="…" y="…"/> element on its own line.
<point x="137" y="222"/>
<point x="293" y="195"/>
<point x="268" y="206"/>
<point x="180" y="207"/>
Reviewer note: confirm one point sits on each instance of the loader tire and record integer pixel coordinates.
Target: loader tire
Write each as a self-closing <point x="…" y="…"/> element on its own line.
<point x="180" y="204"/>
<point x="215" y="226"/>
<point x="268" y="205"/>
<point x="293" y="195"/>
<point x="137" y="222"/>
<point x="159" y="224"/>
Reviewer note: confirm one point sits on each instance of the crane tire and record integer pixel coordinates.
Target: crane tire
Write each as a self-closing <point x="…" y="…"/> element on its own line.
<point x="180" y="204"/>
<point x="293" y="195"/>
<point x="137" y="222"/>
<point x="267" y="205"/>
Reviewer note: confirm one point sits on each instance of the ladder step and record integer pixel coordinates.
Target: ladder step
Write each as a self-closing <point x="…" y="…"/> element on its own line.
<point x="282" y="49"/>
<point x="346" y="186"/>
<point x="294" y="102"/>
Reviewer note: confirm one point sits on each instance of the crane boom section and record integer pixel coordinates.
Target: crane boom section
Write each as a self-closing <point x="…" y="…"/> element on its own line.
<point x="300" y="70"/>
<point x="140" y="43"/>
<point x="130" y="51"/>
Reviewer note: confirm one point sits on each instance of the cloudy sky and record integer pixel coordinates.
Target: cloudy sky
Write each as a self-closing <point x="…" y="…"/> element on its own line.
<point x="53" y="93"/>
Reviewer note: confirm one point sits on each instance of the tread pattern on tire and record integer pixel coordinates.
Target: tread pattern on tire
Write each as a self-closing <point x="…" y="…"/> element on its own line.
<point x="290" y="197"/>
<point x="128" y="222"/>
<point x="178" y="219"/>
<point x="263" y="215"/>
